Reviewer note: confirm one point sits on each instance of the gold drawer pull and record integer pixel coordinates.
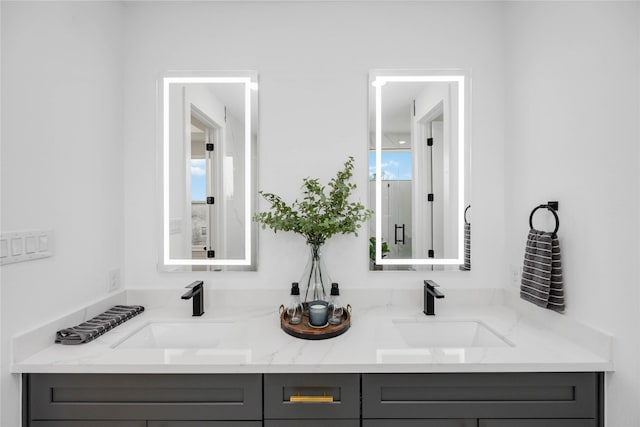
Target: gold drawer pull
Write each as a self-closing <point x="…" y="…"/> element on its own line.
<point x="311" y="399"/>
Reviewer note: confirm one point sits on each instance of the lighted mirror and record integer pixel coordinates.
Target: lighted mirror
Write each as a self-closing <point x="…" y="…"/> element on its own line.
<point x="209" y="140"/>
<point x="419" y="170"/>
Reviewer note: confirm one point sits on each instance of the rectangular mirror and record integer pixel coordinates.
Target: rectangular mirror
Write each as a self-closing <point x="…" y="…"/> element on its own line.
<point x="209" y="140"/>
<point x="419" y="170"/>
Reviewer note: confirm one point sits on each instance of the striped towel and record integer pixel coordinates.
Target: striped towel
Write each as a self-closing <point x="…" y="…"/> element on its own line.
<point x="92" y="329"/>
<point x="467" y="247"/>
<point x="542" y="272"/>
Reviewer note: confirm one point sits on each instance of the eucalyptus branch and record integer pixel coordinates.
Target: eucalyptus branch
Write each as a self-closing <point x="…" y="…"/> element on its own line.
<point x="319" y="215"/>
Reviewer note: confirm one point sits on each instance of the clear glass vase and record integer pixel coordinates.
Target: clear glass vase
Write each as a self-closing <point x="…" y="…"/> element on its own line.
<point x="315" y="280"/>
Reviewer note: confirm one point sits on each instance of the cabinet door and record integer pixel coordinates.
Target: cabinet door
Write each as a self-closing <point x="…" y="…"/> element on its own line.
<point x="423" y="423"/>
<point x="312" y="423"/>
<point x="145" y="397"/>
<point x="291" y="396"/>
<point x="480" y="395"/>
<point x="204" y="424"/>
<point x="538" y="423"/>
<point x="84" y="423"/>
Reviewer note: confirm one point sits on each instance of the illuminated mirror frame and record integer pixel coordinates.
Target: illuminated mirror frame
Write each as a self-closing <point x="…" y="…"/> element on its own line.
<point x="378" y="78"/>
<point x="250" y="81"/>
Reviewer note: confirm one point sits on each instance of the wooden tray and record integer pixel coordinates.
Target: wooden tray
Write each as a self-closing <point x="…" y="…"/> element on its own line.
<point x="305" y="331"/>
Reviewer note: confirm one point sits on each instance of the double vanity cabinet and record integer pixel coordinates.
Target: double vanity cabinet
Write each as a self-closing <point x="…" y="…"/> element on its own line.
<point x="314" y="400"/>
<point x="395" y="367"/>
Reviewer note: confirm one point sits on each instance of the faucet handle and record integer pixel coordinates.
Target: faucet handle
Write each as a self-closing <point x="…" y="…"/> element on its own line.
<point x="431" y="286"/>
<point x="195" y="284"/>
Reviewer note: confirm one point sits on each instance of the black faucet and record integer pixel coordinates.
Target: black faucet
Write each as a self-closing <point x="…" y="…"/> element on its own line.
<point x="196" y="291"/>
<point x="430" y="293"/>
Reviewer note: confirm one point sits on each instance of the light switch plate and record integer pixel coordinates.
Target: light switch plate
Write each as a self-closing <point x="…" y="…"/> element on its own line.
<point x="4" y="248"/>
<point x="19" y="246"/>
<point x="31" y="244"/>
<point x="43" y="242"/>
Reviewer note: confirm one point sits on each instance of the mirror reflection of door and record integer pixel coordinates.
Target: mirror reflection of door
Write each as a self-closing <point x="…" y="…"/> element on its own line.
<point x="432" y="160"/>
<point x="208" y="193"/>
<point x="204" y="186"/>
<point x="419" y="195"/>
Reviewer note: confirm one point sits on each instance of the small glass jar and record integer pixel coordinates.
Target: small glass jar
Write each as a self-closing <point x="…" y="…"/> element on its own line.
<point x="294" y="309"/>
<point x="335" y="307"/>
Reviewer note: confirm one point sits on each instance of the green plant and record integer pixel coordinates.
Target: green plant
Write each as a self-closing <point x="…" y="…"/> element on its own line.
<point x="319" y="215"/>
<point x="372" y="249"/>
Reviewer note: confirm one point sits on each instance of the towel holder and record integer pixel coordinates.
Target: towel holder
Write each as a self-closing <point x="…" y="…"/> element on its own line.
<point x="552" y="207"/>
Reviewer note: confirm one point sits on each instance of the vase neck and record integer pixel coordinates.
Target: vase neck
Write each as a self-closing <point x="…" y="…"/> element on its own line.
<point x="315" y="249"/>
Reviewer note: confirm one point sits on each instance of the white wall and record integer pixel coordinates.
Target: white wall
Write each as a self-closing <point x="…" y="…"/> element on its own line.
<point x="568" y="69"/>
<point x="572" y="135"/>
<point x="313" y="61"/>
<point x="62" y="161"/>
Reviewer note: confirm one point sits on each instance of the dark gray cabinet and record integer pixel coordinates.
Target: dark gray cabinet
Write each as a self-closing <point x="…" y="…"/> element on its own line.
<point x="166" y="397"/>
<point x="422" y="423"/>
<point x="312" y="423"/>
<point x="309" y="400"/>
<point x="538" y="423"/>
<point x="204" y="424"/>
<point x="493" y="399"/>
<point x="88" y="423"/>
<point x="314" y="400"/>
<point x="291" y="396"/>
<point x="480" y="395"/>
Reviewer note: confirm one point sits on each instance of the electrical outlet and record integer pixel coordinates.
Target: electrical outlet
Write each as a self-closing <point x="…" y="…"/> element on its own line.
<point x="114" y="280"/>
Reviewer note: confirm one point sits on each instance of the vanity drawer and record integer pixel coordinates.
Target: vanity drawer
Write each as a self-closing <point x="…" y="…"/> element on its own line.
<point x="423" y="423"/>
<point x="85" y="423"/>
<point x="312" y="423"/>
<point x="204" y="424"/>
<point x="341" y="392"/>
<point x="480" y="395"/>
<point x="538" y="423"/>
<point x="145" y="397"/>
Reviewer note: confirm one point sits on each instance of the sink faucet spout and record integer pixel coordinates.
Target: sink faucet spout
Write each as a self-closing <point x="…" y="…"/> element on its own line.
<point x="430" y="294"/>
<point x="196" y="292"/>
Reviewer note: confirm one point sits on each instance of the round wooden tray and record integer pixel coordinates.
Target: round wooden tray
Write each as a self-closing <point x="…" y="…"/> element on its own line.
<point x="305" y="331"/>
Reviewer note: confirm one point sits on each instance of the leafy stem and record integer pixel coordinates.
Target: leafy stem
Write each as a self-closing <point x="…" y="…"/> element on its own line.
<point x="319" y="215"/>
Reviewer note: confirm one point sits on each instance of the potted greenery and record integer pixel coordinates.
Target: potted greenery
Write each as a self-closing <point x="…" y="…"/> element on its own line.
<point x="317" y="217"/>
<point x="372" y="252"/>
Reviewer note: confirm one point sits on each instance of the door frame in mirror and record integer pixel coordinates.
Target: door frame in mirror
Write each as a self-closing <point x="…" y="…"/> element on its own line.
<point x="377" y="79"/>
<point x="250" y="81"/>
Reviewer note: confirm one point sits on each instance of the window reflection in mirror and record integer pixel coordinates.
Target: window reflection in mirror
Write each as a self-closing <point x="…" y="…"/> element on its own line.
<point x="209" y="137"/>
<point x="418" y="169"/>
<point x="396" y="198"/>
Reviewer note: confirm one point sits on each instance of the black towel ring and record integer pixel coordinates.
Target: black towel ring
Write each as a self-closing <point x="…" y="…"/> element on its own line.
<point x="465" y="215"/>
<point x="552" y="210"/>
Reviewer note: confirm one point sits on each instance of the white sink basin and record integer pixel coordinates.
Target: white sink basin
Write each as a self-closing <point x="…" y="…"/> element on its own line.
<point x="178" y="335"/>
<point x="447" y="334"/>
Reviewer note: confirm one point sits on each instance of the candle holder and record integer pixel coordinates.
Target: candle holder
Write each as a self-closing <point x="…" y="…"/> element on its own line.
<point x="318" y="313"/>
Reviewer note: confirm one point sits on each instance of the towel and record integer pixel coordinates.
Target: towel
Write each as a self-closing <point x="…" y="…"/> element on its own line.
<point x="466" y="266"/>
<point x="542" y="271"/>
<point x="93" y="328"/>
<point x="467" y="247"/>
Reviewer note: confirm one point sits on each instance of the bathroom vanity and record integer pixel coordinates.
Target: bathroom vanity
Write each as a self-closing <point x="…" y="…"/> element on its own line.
<point x="472" y="365"/>
<point x="292" y="400"/>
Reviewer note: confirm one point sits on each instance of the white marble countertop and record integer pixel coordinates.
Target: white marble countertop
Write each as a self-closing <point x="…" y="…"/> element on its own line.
<point x="255" y="343"/>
